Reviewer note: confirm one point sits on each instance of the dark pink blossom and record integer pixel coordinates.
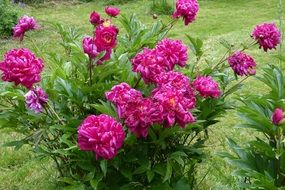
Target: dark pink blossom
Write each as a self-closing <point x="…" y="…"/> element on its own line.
<point x="25" y="24"/>
<point x="278" y="116"/>
<point x="267" y="35"/>
<point x="106" y="36"/>
<point x="242" y="64"/>
<point x="149" y="64"/>
<point x="139" y="115"/>
<point x="36" y="99"/>
<point x="89" y="47"/>
<point x="174" y="52"/>
<point x="112" y="11"/>
<point x="120" y="95"/>
<point x="21" y="66"/>
<point x="175" y="106"/>
<point x="95" y="18"/>
<point x="101" y="134"/>
<point x="176" y="80"/>
<point x="187" y="9"/>
<point x="207" y="87"/>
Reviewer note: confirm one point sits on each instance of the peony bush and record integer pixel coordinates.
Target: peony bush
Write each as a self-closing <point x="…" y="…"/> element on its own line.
<point x="122" y="110"/>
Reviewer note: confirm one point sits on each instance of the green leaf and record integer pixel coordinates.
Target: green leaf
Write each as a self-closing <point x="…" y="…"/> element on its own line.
<point x="104" y="166"/>
<point x="168" y="173"/>
<point x="95" y="182"/>
<point x="150" y="175"/>
<point x="182" y="184"/>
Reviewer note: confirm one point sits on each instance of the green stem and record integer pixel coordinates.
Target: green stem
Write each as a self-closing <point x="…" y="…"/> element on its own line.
<point x="55" y="114"/>
<point x="90" y="71"/>
<point x="137" y="83"/>
<point x="226" y="93"/>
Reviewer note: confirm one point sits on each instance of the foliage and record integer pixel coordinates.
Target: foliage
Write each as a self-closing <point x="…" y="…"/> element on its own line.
<point x="260" y="162"/>
<point x="8" y="18"/>
<point x="166" y="159"/>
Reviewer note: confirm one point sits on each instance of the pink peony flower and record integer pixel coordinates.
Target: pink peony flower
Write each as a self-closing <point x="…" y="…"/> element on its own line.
<point x="141" y="114"/>
<point x="187" y="9"/>
<point x="106" y="36"/>
<point x="89" y="47"/>
<point x="175" y="106"/>
<point x="36" y="99"/>
<point x="107" y="56"/>
<point x="174" y="52"/>
<point x="207" y="87"/>
<point x="242" y="64"/>
<point x="21" y="66"/>
<point x="101" y="134"/>
<point x="278" y="116"/>
<point x="95" y="18"/>
<point x="149" y="64"/>
<point x="120" y="95"/>
<point x="175" y="80"/>
<point x="267" y="35"/>
<point x="25" y="24"/>
<point x="112" y="11"/>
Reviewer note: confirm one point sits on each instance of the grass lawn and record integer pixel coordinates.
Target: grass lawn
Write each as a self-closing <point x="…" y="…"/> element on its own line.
<point x="229" y="19"/>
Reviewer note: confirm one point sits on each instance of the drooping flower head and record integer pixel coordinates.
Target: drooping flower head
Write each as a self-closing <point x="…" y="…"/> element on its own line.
<point x="21" y="66"/>
<point x="95" y="18"/>
<point x="242" y="64"/>
<point x="120" y="95"/>
<point x="175" y="106"/>
<point x="89" y="47"/>
<point x="207" y="87"/>
<point x="25" y="24"/>
<point x="36" y="99"/>
<point x="267" y="35"/>
<point x="174" y="52"/>
<point x="101" y="134"/>
<point x="141" y="114"/>
<point x="106" y="36"/>
<point x="187" y="9"/>
<point x="278" y="116"/>
<point x="150" y="64"/>
<point x="112" y="11"/>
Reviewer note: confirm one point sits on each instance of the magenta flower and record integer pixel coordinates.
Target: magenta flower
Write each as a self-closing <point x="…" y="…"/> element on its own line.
<point x="25" y="24"/>
<point x="242" y="64"/>
<point x="106" y="36"/>
<point x="267" y="35"/>
<point x="21" y="66"/>
<point x="101" y="134"/>
<point x="175" y="80"/>
<point x="36" y="99"/>
<point x="175" y="106"/>
<point x="89" y="47"/>
<point x="149" y="64"/>
<point x="174" y="52"/>
<point x="278" y="116"/>
<point x="95" y="18"/>
<point x="120" y="95"/>
<point x="187" y="9"/>
<point x="207" y="87"/>
<point x="141" y="114"/>
<point x="107" y="56"/>
<point x="112" y="11"/>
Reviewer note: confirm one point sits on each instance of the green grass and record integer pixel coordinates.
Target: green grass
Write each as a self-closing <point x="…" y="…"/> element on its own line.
<point x="229" y="19"/>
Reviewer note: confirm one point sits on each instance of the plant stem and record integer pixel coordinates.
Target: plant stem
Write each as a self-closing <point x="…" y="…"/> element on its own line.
<point x="137" y="83"/>
<point x="226" y="93"/>
<point x="55" y="114"/>
<point x="90" y="71"/>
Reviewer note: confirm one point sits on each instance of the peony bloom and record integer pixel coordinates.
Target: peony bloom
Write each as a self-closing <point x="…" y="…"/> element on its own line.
<point x="149" y="64"/>
<point x="278" y="117"/>
<point x="187" y="9"/>
<point x="101" y="134"/>
<point x="141" y="114"/>
<point x="106" y="36"/>
<point x="267" y="35"/>
<point x="242" y="64"/>
<point x="120" y="95"/>
<point x="36" y="99"/>
<point x="207" y="87"/>
<point x="107" y="56"/>
<point x="25" y="24"/>
<point x="175" y="106"/>
<point x="174" y="52"/>
<point x="95" y="18"/>
<point x="21" y="66"/>
<point x="89" y="47"/>
<point x="112" y="11"/>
